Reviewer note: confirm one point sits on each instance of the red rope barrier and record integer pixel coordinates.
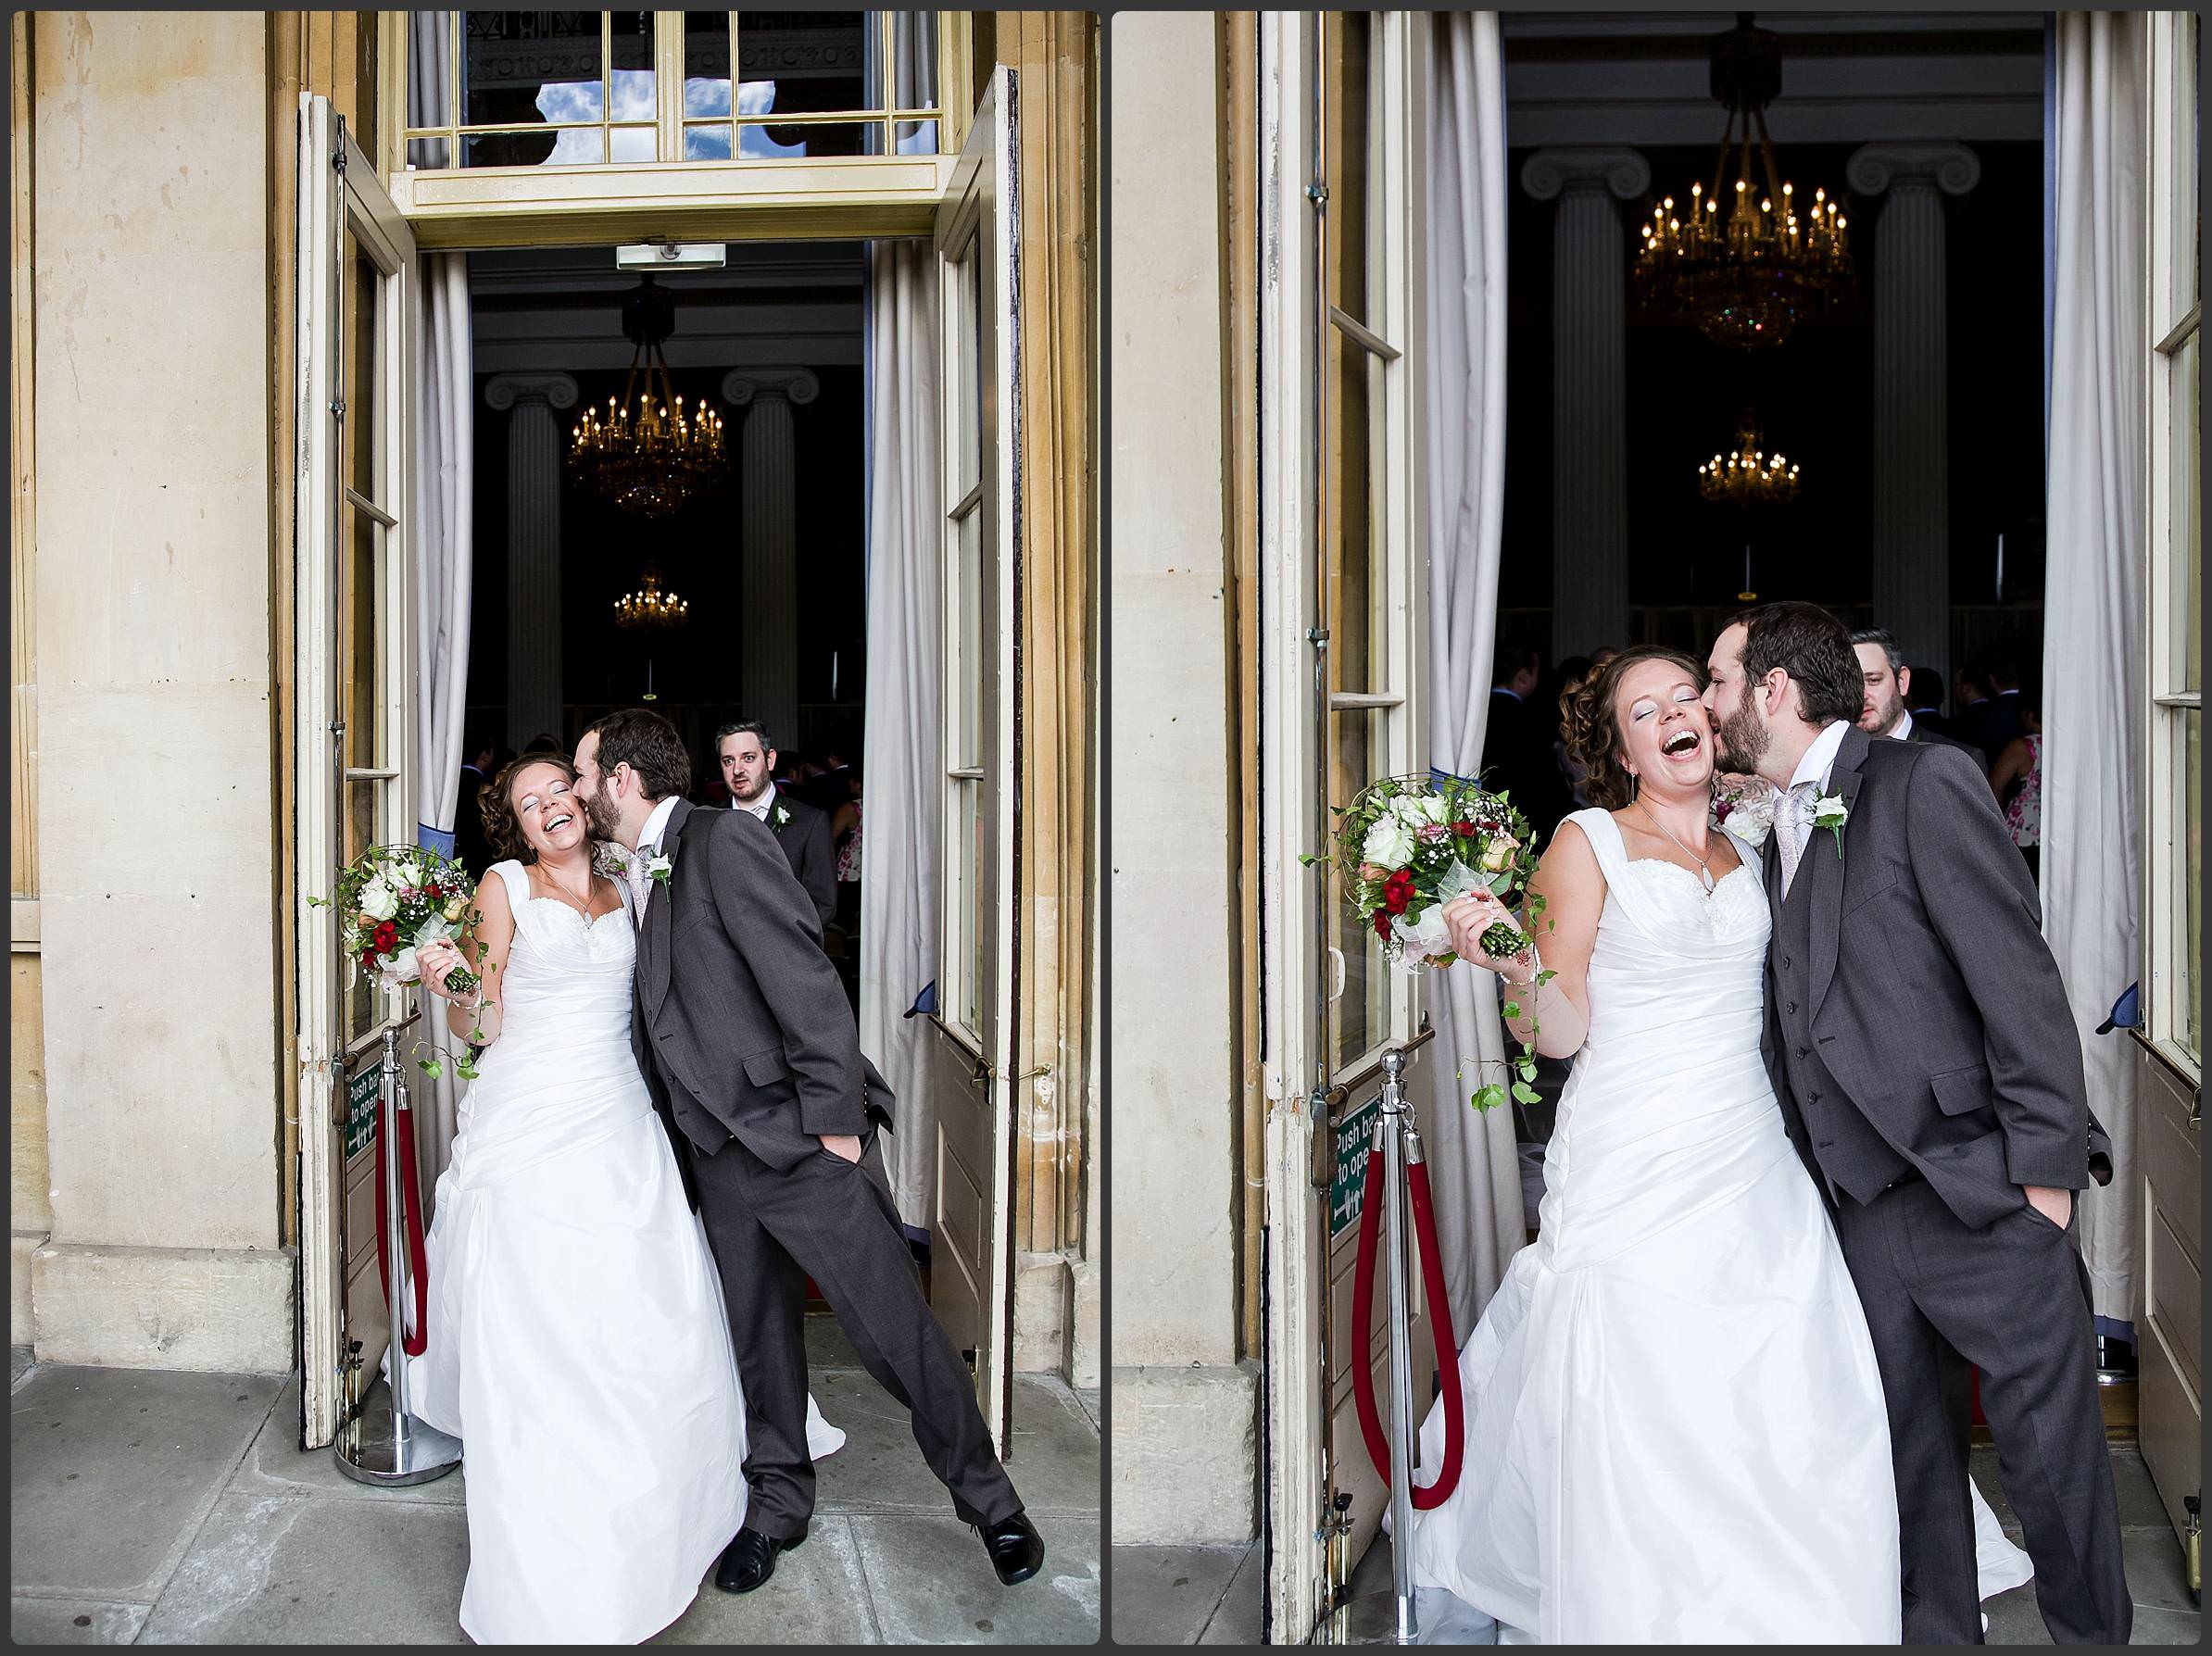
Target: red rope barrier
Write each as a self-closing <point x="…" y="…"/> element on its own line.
<point x="417" y="1247"/>
<point x="1440" y="1323"/>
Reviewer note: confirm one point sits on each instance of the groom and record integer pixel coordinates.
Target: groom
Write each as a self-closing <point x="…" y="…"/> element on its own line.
<point x="746" y="1041"/>
<point x="1920" y="1042"/>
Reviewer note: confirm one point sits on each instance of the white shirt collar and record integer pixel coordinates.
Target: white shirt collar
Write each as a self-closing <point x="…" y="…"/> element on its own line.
<point x="759" y="809"/>
<point x="657" y="824"/>
<point x="1821" y="756"/>
<point x="1903" y="733"/>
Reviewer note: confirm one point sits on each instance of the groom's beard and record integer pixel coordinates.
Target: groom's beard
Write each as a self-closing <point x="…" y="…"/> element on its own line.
<point x="601" y="817"/>
<point x="1742" y="739"/>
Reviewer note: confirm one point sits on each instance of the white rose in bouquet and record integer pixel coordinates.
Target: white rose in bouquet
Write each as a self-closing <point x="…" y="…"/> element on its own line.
<point x="379" y="901"/>
<point x="408" y="873"/>
<point x="1389" y="844"/>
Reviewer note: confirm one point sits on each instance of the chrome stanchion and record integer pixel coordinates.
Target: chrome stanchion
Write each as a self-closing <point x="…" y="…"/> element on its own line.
<point x="1389" y="1618"/>
<point x="381" y="1444"/>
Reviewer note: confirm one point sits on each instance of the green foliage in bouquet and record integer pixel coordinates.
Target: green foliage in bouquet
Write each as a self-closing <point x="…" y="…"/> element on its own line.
<point x="392" y="900"/>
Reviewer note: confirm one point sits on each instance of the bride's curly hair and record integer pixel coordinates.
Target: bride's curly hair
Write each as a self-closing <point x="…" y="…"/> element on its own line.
<point x="495" y="803"/>
<point x="1593" y="732"/>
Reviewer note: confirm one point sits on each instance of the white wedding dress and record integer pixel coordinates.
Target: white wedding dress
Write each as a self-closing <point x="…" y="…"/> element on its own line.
<point x="1675" y="1426"/>
<point x="577" y="1341"/>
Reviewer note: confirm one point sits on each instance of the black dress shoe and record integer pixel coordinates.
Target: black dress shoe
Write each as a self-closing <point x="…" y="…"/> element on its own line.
<point x="749" y="1561"/>
<point x="1017" y="1551"/>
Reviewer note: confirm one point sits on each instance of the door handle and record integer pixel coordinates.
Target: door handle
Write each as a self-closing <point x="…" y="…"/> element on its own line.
<point x="1336" y="961"/>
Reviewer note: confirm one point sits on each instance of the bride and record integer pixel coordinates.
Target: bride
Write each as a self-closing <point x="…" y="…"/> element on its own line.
<point x="577" y="1342"/>
<point x="1674" y="1424"/>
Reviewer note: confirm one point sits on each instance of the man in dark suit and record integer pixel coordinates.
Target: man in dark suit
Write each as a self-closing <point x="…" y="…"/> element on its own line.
<point x="1889" y="683"/>
<point x="747" y="1044"/>
<point x="1924" y="699"/>
<point x="471" y="849"/>
<point x="749" y="768"/>
<point x="1518" y="752"/>
<point x="1929" y="1074"/>
<point x="2002" y="724"/>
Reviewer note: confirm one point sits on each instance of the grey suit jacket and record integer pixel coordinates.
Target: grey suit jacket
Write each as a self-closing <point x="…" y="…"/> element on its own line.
<point x="806" y="842"/>
<point x="741" y="1025"/>
<point x="1934" y="1001"/>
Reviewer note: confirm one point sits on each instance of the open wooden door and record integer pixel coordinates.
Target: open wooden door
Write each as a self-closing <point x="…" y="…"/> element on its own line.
<point x="353" y="678"/>
<point x="971" y="1248"/>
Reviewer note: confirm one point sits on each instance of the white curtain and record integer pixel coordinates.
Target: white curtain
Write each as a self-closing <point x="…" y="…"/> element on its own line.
<point x="1472" y="1160"/>
<point x="444" y="505"/>
<point x="2094" y="600"/>
<point x="903" y="766"/>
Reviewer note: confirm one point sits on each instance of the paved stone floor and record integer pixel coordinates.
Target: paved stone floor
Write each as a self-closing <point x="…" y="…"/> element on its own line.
<point x="1211" y="1595"/>
<point x="158" y="1508"/>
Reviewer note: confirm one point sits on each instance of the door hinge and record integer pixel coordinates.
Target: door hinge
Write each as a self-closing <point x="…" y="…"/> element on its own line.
<point x="338" y="407"/>
<point x="2192" y="1541"/>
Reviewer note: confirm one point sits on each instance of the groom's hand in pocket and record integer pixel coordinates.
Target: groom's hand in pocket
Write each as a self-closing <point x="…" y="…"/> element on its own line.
<point x="2055" y="1205"/>
<point x="846" y="1146"/>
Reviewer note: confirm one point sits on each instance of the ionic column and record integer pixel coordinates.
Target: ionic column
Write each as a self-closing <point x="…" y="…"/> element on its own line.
<point x="535" y="441"/>
<point x="1911" y="480"/>
<point x="768" y="489"/>
<point x="1590" y="417"/>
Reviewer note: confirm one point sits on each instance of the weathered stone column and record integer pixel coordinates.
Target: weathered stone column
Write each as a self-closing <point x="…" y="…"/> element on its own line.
<point x="1911" y="477"/>
<point x="534" y="442"/>
<point x="767" y="525"/>
<point x="1589" y="416"/>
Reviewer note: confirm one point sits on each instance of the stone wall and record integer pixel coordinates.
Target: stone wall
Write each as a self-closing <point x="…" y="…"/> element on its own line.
<point x="154" y="816"/>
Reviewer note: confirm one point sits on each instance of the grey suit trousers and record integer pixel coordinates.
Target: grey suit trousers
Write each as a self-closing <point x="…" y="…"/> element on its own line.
<point x="834" y="1221"/>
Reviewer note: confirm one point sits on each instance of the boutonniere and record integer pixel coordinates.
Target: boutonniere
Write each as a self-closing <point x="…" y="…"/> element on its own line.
<point x="782" y="816"/>
<point x="657" y="866"/>
<point x="1829" y="812"/>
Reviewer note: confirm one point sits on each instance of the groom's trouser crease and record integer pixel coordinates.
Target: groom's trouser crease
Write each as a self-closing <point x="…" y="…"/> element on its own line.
<point x="1937" y="1299"/>
<point x="834" y="1220"/>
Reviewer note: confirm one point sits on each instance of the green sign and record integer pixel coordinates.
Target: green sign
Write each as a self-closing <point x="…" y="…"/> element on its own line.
<point x="361" y="1089"/>
<point x="1355" y="1143"/>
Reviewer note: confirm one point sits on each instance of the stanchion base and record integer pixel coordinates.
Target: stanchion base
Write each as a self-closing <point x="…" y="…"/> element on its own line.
<point x="369" y="1451"/>
<point x="1370" y="1619"/>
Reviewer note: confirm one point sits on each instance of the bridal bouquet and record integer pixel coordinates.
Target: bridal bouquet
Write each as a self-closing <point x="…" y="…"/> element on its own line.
<point x="393" y="901"/>
<point x="1408" y="845"/>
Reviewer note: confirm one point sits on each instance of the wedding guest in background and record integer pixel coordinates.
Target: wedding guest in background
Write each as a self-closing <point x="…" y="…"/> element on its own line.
<point x="471" y="849"/>
<point x="747" y="769"/>
<point x="545" y="742"/>
<point x="2017" y="777"/>
<point x="1924" y="700"/>
<point x="1516" y="748"/>
<point x="1888" y="684"/>
<point x="2003" y="723"/>
<point x="1970" y="706"/>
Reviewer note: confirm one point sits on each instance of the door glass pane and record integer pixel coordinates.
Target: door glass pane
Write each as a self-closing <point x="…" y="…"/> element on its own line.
<point x="1345" y="135"/>
<point x="360" y="639"/>
<point x="975" y="864"/>
<point x="2187" y="418"/>
<point x="631" y="59"/>
<point x="970" y="661"/>
<point x="363" y="291"/>
<point x="429" y="84"/>
<point x="525" y="66"/>
<point x="363" y="814"/>
<point x="799" y="61"/>
<point x="804" y="140"/>
<point x="1362" y="1012"/>
<point x="969" y="350"/>
<point x="2192" y="873"/>
<point x="706" y="66"/>
<point x="631" y="144"/>
<point x="707" y="143"/>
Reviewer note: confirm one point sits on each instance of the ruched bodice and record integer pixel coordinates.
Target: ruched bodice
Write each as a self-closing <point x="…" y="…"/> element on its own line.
<point x="1669" y="1100"/>
<point x="562" y="1071"/>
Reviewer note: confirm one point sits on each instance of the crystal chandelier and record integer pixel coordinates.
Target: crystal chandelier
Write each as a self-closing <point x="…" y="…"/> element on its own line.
<point x="1748" y="475"/>
<point x="651" y="606"/>
<point x="1743" y="278"/>
<point x="652" y="455"/>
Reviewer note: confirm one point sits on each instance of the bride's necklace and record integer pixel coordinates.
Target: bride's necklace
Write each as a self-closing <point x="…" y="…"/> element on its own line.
<point x="1704" y="869"/>
<point x="561" y="893"/>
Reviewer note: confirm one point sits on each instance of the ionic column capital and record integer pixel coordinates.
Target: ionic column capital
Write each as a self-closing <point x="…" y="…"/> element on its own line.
<point x="1550" y="172"/>
<point x="556" y="391"/>
<point x="1951" y="168"/>
<point x="741" y="386"/>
